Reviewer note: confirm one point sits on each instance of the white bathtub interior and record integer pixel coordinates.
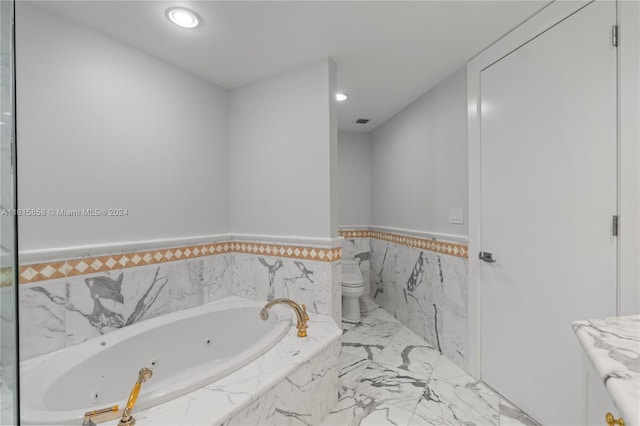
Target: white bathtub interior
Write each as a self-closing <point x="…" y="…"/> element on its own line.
<point x="186" y="350"/>
<point x="189" y="351"/>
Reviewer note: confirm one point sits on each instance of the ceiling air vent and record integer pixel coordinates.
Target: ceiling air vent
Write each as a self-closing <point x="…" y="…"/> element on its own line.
<point x="362" y="120"/>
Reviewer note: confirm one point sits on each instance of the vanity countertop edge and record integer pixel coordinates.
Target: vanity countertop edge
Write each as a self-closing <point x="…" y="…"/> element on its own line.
<point x="613" y="347"/>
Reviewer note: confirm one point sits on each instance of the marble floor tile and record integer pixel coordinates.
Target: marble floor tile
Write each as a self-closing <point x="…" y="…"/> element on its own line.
<point x="368" y="340"/>
<point x="408" y="351"/>
<point x="346" y="326"/>
<point x="367" y="305"/>
<point x="396" y="387"/>
<point x="351" y="368"/>
<point x="378" y="315"/>
<point x="453" y="397"/>
<point x="446" y="370"/>
<point x="355" y="409"/>
<point x="510" y="415"/>
<point x="391" y="376"/>
<point x="447" y="404"/>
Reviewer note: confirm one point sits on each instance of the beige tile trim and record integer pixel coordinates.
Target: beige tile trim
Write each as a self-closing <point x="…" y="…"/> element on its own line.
<point x="69" y="268"/>
<point x="452" y="249"/>
<point x="356" y="233"/>
<point x="6" y="276"/>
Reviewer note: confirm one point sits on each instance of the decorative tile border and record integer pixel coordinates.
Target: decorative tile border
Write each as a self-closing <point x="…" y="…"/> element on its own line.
<point x="351" y="234"/>
<point x="31" y="273"/>
<point x="89" y="265"/>
<point x="452" y="249"/>
<point x="6" y="276"/>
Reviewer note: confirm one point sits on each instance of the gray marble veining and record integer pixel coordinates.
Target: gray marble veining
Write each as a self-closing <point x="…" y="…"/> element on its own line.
<point x="217" y="276"/>
<point x="407" y="351"/>
<point x="510" y="415"/>
<point x="186" y="289"/>
<point x="354" y="408"/>
<point x="295" y="382"/>
<point x="42" y="318"/>
<point x="359" y="249"/>
<point x="368" y="340"/>
<point x="68" y="311"/>
<point x="266" y="278"/>
<point x="452" y="397"/>
<point x="351" y="368"/>
<point x="104" y="302"/>
<point x="613" y="346"/>
<point x="396" y="387"/>
<point x="425" y="291"/>
<point x="405" y="381"/>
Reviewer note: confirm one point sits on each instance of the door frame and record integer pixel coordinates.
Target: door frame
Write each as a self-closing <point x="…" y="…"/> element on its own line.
<point x="628" y="176"/>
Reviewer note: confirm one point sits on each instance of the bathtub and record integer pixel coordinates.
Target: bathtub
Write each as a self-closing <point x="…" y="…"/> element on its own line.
<point x="190" y="352"/>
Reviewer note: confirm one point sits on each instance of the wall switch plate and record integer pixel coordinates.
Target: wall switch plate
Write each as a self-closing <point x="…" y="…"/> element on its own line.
<point x="456" y="216"/>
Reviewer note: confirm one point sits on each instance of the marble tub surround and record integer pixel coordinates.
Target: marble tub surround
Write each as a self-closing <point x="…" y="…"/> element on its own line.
<point x="59" y="313"/>
<point x="613" y="346"/>
<point x="304" y="397"/>
<point x="309" y="275"/>
<point x="64" y="302"/>
<point x="403" y="380"/>
<point x="268" y="278"/>
<point x="296" y="382"/>
<point x="42" y="318"/>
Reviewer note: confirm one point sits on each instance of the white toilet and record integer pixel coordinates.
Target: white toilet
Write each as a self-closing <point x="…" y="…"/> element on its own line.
<point x="352" y="288"/>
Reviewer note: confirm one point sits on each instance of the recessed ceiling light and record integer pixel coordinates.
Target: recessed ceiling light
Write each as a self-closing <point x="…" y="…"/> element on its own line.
<point x="182" y="17"/>
<point x="341" y="97"/>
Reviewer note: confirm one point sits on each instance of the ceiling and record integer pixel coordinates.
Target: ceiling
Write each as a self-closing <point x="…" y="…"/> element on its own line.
<point x="388" y="53"/>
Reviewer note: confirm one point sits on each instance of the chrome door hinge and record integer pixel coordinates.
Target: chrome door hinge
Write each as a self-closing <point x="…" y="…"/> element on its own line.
<point x="614" y="35"/>
<point x="614" y="225"/>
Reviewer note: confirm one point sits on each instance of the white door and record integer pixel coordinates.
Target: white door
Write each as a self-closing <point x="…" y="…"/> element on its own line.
<point x="548" y="194"/>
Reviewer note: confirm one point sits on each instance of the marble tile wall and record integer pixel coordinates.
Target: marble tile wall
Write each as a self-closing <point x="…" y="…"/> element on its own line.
<point x="66" y="311"/>
<point x="425" y="289"/>
<point x="310" y="282"/>
<point x="359" y="249"/>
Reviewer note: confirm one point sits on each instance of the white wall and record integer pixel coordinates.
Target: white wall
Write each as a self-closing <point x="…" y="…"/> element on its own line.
<point x="354" y="166"/>
<point x="419" y="161"/>
<point x="103" y="125"/>
<point x="281" y="145"/>
<point x="629" y="192"/>
<point x="6" y="137"/>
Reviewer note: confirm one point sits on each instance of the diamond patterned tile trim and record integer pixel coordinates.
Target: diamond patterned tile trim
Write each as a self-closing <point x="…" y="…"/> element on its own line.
<point x="74" y="267"/>
<point x="293" y="252"/>
<point x="6" y="276"/>
<point x="451" y="249"/>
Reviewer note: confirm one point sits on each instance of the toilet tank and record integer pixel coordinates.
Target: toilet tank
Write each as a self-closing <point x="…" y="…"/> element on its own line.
<point x="350" y="266"/>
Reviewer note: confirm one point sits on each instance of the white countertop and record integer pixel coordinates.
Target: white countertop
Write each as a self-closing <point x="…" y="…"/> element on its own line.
<point x="613" y="346"/>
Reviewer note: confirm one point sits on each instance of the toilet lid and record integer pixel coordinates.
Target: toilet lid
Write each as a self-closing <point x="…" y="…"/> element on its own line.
<point x="352" y="280"/>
